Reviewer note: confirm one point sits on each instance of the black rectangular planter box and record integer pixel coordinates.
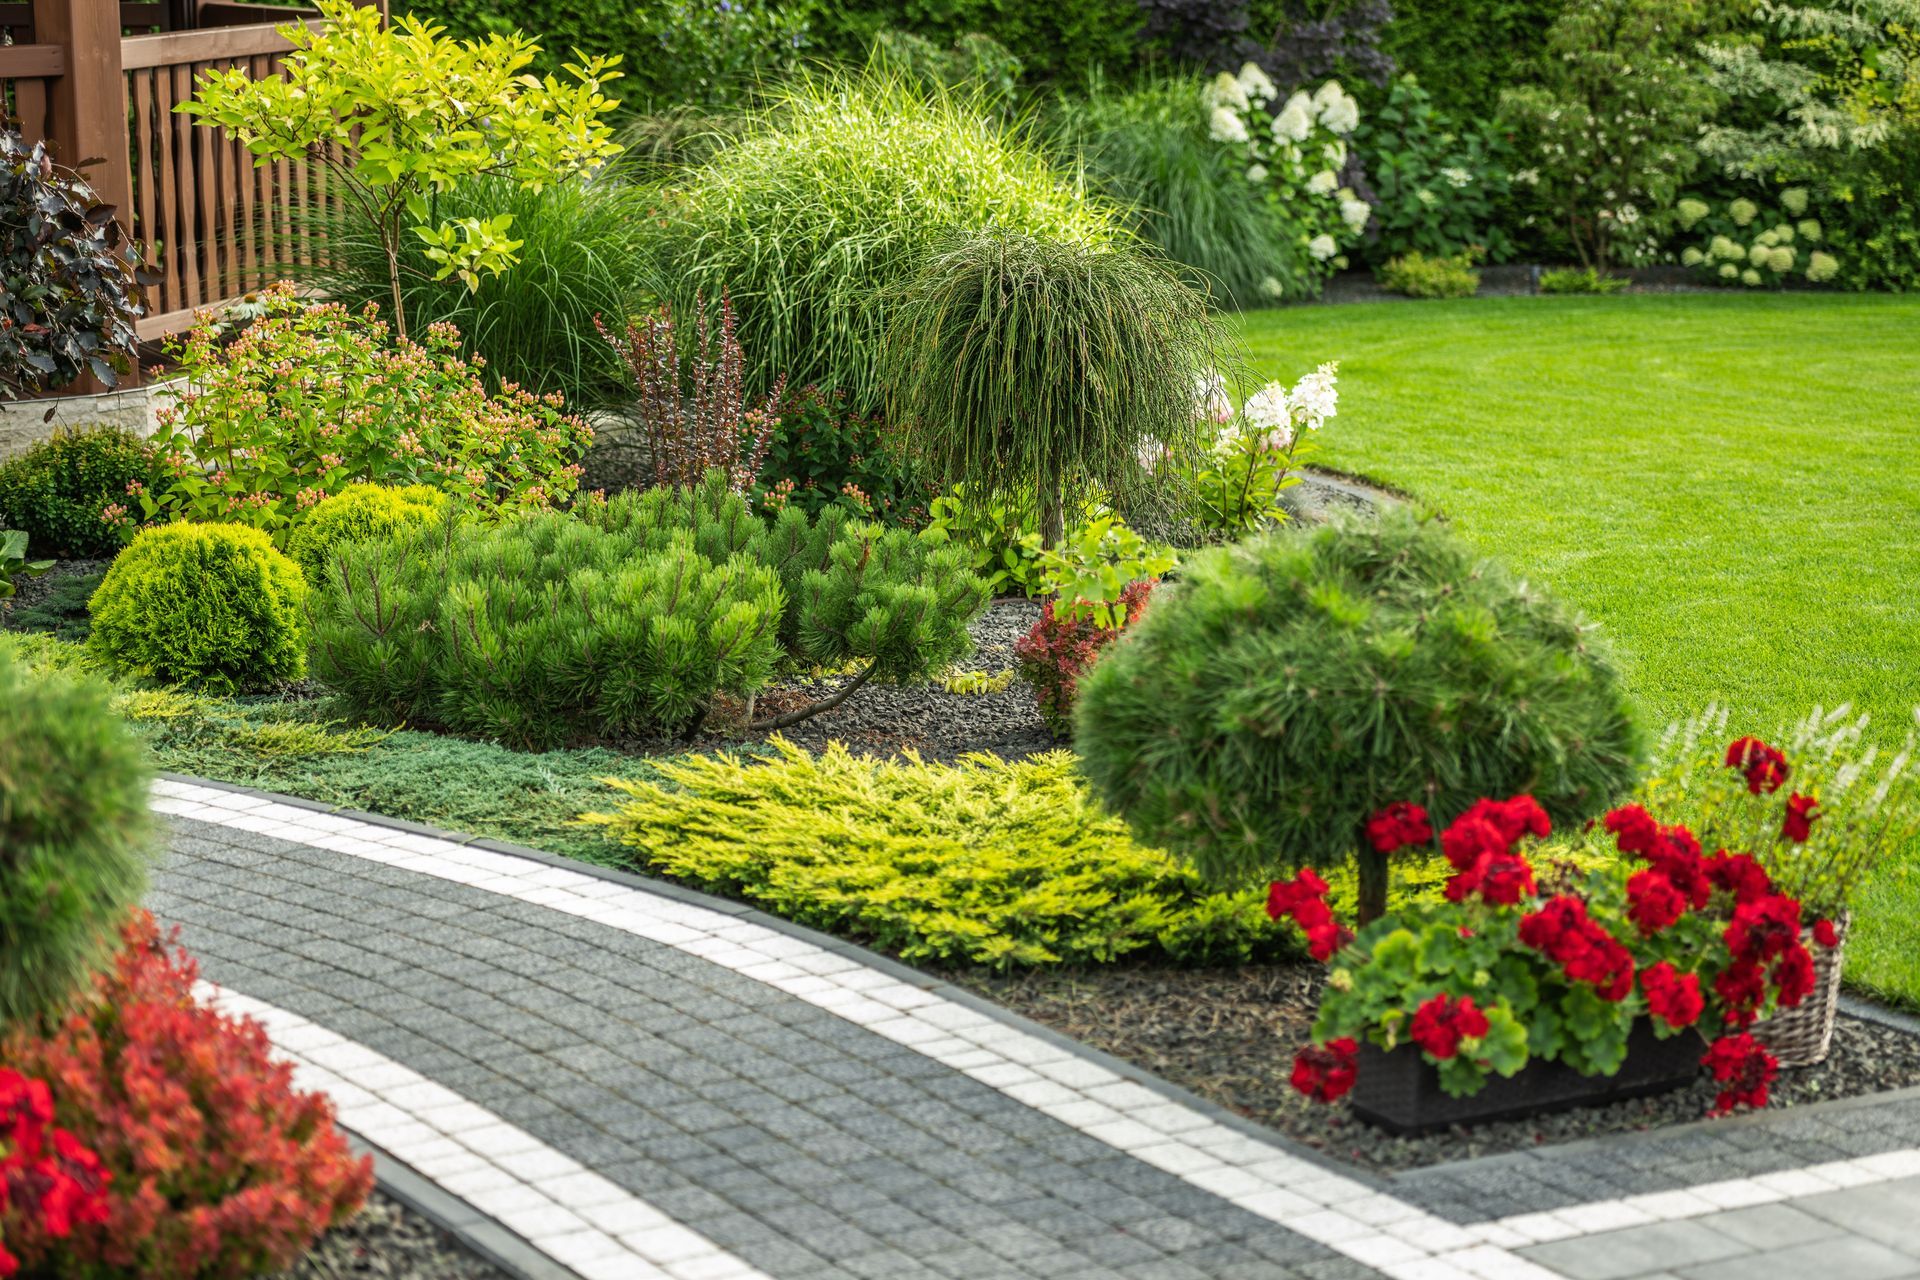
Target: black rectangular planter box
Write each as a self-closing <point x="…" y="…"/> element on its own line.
<point x="1400" y="1091"/>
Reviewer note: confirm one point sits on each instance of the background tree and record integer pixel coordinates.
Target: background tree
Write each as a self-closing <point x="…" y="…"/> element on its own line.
<point x="1291" y="687"/>
<point x="1034" y="366"/>
<point x="399" y="114"/>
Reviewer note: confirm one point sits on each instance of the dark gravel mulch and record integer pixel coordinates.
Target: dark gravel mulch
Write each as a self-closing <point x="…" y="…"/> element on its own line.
<point x="1229" y="1035"/>
<point x="387" y="1239"/>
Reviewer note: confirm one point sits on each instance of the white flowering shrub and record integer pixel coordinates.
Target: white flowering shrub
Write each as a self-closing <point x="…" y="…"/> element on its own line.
<point x="1609" y="127"/>
<point x="1294" y="152"/>
<point x="1741" y="244"/>
<point x="1233" y="481"/>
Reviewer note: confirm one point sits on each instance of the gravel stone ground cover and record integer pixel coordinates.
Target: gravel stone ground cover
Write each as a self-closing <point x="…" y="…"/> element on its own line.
<point x="1229" y="1035"/>
<point x="389" y="1241"/>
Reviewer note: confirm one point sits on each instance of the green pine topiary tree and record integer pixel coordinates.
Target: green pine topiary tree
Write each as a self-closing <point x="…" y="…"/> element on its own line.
<point x="73" y="827"/>
<point x="1290" y="687"/>
<point x="358" y="513"/>
<point x="1034" y="366"/>
<point x="214" y="606"/>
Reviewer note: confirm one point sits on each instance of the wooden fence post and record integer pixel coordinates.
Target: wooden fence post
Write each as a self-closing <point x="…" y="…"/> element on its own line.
<point x="87" y="106"/>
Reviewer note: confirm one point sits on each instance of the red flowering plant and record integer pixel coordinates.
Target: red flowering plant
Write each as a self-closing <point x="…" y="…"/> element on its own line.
<point x="49" y="1182"/>
<point x="212" y="1164"/>
<point x="1818" y="807"/>
<point x="1514" y="964"/>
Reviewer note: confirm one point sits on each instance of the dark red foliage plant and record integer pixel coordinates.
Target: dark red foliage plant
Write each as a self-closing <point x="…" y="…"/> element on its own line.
<point x="1060" y="650"/>
<point x="215" y="1166"/>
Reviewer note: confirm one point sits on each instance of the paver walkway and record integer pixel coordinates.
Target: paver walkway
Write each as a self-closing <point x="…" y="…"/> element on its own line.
<point x="639" y="1082"/>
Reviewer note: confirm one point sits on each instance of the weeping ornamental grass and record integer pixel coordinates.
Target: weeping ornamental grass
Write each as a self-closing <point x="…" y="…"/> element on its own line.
<point x="1150" y="150"/>
<point x="583" y="256"/>
<point x="1033" y="366"/>
<point x="833" y="197"/>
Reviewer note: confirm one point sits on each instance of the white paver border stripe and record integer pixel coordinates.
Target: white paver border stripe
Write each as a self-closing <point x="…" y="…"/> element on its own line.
<point x="565" y="1210"/>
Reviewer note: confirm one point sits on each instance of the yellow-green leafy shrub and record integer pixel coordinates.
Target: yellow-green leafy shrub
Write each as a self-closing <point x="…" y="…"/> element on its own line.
<point x="213" y="606"/>
<point x="359" y="513"/>
<point x="996" y="863"/>
<point x="1419" y="276"/>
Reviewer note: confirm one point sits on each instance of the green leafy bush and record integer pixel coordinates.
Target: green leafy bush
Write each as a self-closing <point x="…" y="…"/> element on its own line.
<point x="313" y="398"/>
<point x="73" y="828"/>
<point x="1464" y="54"/>
<point x="1289" y="688"/>
<point x="831" y="199"/>
<point x="359" y="513"/>
<point x="826" y="453"/>
<point x="1001" y="538"/>
<point x="630" y="617"/>
<point x="973" y="62"/>
<point x="1029" y="366"/>
<point x="1439" y="185"/>
<point x="988" y="862"/>
<point x="14" y="564"/>
<point x="69" y="493"/>
<point x="1149" y="150"/>
<point x="1057" y="41"/>
<point x="206" y="605"/>
<point x="1418" y="276"/>
<point x="582" y="254"/>
<point x="1581" y="280"/>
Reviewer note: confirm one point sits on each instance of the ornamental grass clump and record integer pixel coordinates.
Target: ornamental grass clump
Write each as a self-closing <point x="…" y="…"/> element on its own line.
<point x="1516" y="966"/>
<point x="837" y="193"/>
<point x="73" y="831"/>
<point x="1040" y="367"/>
<point x="630" y="617"/>
<point x="1290" y="688"/>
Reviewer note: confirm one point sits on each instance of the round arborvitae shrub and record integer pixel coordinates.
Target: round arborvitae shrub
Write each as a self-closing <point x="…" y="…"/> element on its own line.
<point x="1289" y="688"/>
<point x="72" y="493"/>
<point x="73" y="822"/>
<point x="209" y="605"/>
<point x="359" y="513"/>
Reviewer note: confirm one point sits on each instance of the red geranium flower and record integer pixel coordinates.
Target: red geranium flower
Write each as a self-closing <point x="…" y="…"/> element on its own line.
<point x="1765" y="768"/>
<point x="1801" y="815"/>
<point x="1744" y="1067"/>
<point x="1653" y="903"/>
<point x="1634" y="829"/>
<point x="1793" y="974"/>
<point x="1825" y="934"/>
<point x="1398" y="825"/>
<point x="1443" y="1023"/>
<point x="1563" y="932"/>
<point x="1763" y="928"/>
<point x="1672" y="996"/>
<point x="1739" y="875"/>
<point x="1303" y="900"/>
<point x="1326" y="1072"/>
<point x="1742" y="988"/>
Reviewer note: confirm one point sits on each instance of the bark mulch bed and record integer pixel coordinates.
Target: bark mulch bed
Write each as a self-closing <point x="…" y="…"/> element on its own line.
<point x="1229" y="1035"/>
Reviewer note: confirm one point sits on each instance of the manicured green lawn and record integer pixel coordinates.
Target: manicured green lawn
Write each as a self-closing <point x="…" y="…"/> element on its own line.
<point x="1730" y="483"/>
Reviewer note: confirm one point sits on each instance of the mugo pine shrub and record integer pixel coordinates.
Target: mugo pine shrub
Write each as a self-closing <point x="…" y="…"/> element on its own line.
<point x="631" y="616"/>
<point x="835" y="195"/>
<point x="73" y="820"/>
<point x="209" y="605"/>
<point x="359" y="513"/>
<point x="1290" y="688"/>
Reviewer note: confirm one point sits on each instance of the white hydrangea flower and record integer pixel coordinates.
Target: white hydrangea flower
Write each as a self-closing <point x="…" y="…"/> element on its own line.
<point x="1728" y="271"/>
<point x="1794" y="200"/>
<point x="1758" y="254"/>
<point x="1742" y="212"/>
<point x="1822" y="266"/>
<point x="1426" y="197"/>
<point x="1781" y="259"/>
<point x="1809" y="229"/>
<point x="1456" y="176"/>
<point x="1527" y="177"/>
<point x="1227" y="126"/>
<point x="1783" y="234"/>
<point x="1295" y="120"/>
<point x="1726" y="248"/>
<point x="1315" y="398"/>
<point x="1322" y="247"/>
<point x="1226" y="92"/>
<point x="1335" y="152"/>
<point x="1255" y="84"/>
<point x="1323" y="182"/>
<point x="1691" y="257"/>
<point x="1267" y="411"/>
<point x="1355" y="214"/>
<point x="1210" y="400"/>
<point x="1691" y="211"/>
<point x="1750" y="277"/>
<point x="1257" y="174"/>
<point x="1628" y="215"/>
<point x="1338" y="112"/>
<point x="1272" y="287"/>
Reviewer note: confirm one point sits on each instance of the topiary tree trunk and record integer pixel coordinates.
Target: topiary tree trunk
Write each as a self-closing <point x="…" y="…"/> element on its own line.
<point x="1370" y="869"/>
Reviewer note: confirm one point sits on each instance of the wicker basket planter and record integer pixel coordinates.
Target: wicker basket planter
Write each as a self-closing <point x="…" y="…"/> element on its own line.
<point x="1802" y="1035"/>
<point x="1399" y="1090"/>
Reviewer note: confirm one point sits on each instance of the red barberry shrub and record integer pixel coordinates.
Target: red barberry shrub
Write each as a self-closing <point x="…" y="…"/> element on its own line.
<point x="217" y="1167"/>
<point x="1059" y="650"/>
<point x="49" y="1181"/>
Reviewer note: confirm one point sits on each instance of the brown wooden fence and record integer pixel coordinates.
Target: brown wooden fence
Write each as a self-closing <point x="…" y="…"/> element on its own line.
<point x="100" y="80"/>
